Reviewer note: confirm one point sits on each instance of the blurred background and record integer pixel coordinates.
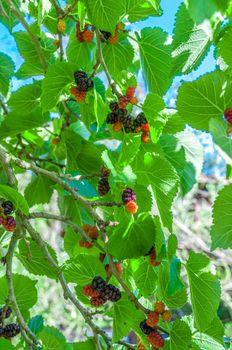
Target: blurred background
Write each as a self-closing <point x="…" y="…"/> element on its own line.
<point x="192" y="215"/>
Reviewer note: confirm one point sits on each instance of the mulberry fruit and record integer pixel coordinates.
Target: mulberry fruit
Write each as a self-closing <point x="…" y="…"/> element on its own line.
<point x="105" y="35"/>
<point x="113" y="106"/>
<point x="102" y="257"/>
<point x="120" y="26"/>
<point x="1" y="331"/>
<point x="80" y="96"/>
<point x="61" y="26"/>
<point x="132" y="207"/>
<point x="146" y="128"/>
<point x="90" y="292"/>
<point x="85" y="244"/>
<point x="159" y="307"/>
<point x="145" y="138"/>
<point x="153" y="261"/>
<point x="111" y="293"/>
<point x="91" y="231"/>
<point x="112" y="118"/>
<point x="113" y="39"/>
<point x="130" y="91"/>
<point x="83" y="82"/>
<point x="98" y="301"/>
<point x="7" y="312"/>
<point x="105" y="172"/>
<point x="117" y="126"/>
<point x="8" y="207"/>
<point x="98" y="283"/>
<point x="79" y="34"/>
<point x="145" y="328"/>
<point x="56" y="141"/>
<point x="156" y="339"/>
<point x="167" y="316"/>
<point x="11" y="330"/>
<point x="128" y="195"/>
<point x="228" y="115"/>
<point x="10" y="224"/>
<point x="152" y="319"/>
<point x="141" y="119"/>
<point x="119" y="268"/>
<point x="88" y="36"/>
<point x="123" y="102"/>
<point x="134" y="101"/>
<point x="103" y="186"/>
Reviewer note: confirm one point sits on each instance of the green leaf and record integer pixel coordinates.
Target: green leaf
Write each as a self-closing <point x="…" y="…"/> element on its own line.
<point x="170" y="286"/>
<point x="80" y="54"/>
<point x="32" y="258"/>
<point x="205" y="293"/>
<point x="218" y="129"/>
<point x="216" y="330"/>
<point x="145" y="278"/>
<point x="15" y="123"/>
<point x="73" y="146"/>
<point x="204" y="342"/>
<point x="180" y="336"/>
<point x="39" y="190"/>
<point x="86" y="345"/>
<point x="36" y="324"/>
<point x="6" y="71"/>
<point x="6" y="14"/>
<point x="156" y="59"/>
<point x="223" y="46"/>
<point x="200" y="10"/>
<point x="15" y="197"/>
<point x="25" y="292"/>
<point x="138" y="10"/>
<point x="118" y="57"/>
<point x="83" y="269"/>
<point x="104" y="14"/>
<point x="172" y="246"/>
<point x="205" y="98"/>
<point x="152" y="105"/>
<point x="159" y="173"/>
<point x="132" y="239"/>
<point x="26" y="99"/>
<point x="52" y="339"/>
<point x="185" y="153"/>
<point x="28" y="51"/>
<point x="221" y="231"/>
<point x="191" y="43"/>
<point x="69" y="208"/>
<point x="56" y="79"/>
<point x="197" y="262"/>
<point x="125" y="315"/>
<point x="5" y="344"/>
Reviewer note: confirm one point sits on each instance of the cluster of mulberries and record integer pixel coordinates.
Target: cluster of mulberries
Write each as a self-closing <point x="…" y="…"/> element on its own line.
<point x="121" y="118"/>
<point x="7" y="221"/>
<point x="129" y="199"/>
<point x="91" y="232"/>
<point x="103" y="184"/>
<point x="149" y="326"/>
<point x="113" y="39"/>
<point x="85" y="36"/>
<point x="100" y="292"/>
<point x="83" y="85"/>
<point x="10" y="330"/>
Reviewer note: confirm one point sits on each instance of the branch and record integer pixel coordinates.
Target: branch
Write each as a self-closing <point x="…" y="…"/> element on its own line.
<point x="5" y="160"/>
<point x="68" y="222"/>
<point x="4" y="107"/>
<point x="30" y="33"/>
<point x="107" y="204"/>
<point x="68" y="294"/>
<point x="101" y="60"/>
<point x="11" y="295"/>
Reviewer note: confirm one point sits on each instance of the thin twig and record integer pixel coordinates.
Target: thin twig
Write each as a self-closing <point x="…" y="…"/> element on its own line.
<point x="11" y="295"/>
<point x="104" y="66"/>
<point x="107" y="204"/>
<point x="30" y="33"/>
<point x="4" y="107"/>
<point x="68" y="222"/>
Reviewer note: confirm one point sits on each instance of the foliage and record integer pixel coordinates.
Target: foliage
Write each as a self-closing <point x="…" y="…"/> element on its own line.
<point x="115" y="161"/>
